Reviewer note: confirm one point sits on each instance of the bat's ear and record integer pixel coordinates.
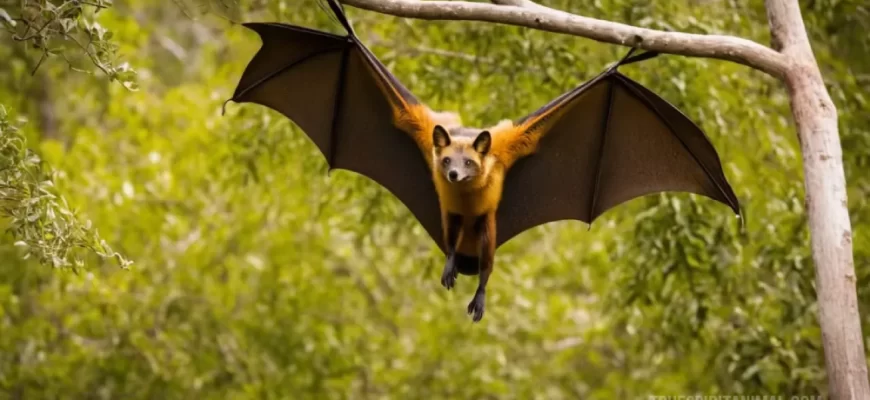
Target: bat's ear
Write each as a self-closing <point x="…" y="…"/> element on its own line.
<point x="440" y="137"/>
<point x="483" y="142"/>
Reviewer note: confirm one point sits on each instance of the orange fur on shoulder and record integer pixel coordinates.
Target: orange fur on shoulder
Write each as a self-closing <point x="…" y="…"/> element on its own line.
<point x="510" y="142"/>
<point x="419" y="121"/>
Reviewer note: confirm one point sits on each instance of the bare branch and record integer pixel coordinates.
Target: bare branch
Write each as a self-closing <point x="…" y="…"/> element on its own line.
<point x="721" y="47"/>
<point x="522" y="3"/>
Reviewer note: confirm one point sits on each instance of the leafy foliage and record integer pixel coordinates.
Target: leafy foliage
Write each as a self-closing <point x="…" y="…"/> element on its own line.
<point x="69" y="27"/>
<point x="41" y="221"/>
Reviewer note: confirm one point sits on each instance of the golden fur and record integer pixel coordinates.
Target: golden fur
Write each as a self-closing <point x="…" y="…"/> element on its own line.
<point x="477" y="197"/>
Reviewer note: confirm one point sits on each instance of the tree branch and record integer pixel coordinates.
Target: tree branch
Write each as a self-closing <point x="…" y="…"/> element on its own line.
<point x="787" y="29"/>
<point x="830" y="229"/>
<point x="721" y="47"/>
<point x="522" y="3"/>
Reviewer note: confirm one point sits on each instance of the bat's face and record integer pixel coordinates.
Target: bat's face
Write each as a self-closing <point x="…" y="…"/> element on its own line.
<point x="459" y="158"/>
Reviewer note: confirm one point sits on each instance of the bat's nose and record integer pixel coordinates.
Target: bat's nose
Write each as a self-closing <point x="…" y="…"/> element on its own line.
<point x="452" y="175"/>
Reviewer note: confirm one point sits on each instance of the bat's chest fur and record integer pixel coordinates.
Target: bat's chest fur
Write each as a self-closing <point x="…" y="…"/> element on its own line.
<point x="470" y="200"/>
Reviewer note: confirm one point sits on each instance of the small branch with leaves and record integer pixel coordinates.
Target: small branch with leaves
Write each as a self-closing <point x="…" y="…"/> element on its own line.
<point x="41" y="222"/>
<point x="54" y="30"/>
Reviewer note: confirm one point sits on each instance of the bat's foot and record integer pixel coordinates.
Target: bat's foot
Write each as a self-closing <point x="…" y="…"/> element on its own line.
<point x="448" y="277"/>
<point x="475" y="308"/>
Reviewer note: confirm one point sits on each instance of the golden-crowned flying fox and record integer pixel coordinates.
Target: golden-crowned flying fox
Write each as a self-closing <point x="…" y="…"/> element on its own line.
<point x="605" y="142"/>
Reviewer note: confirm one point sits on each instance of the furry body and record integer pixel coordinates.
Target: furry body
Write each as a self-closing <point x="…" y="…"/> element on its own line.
<point x="468" y="193"/>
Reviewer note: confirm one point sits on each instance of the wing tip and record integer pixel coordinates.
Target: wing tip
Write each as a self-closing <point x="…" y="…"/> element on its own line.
<point x="742" y="217"/>
<point x="729" y="198"/>
<point x="713" y="172"/>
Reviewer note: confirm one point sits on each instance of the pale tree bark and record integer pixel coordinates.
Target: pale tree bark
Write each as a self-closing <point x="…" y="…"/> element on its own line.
<point x="830" y="229"/>
<point x="721" y="47"/>
<point x="521" y="3"/>
<point x="792" y="61"/>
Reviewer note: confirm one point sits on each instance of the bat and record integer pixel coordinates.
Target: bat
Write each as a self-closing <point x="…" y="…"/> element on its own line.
<point x="607" y="141"/>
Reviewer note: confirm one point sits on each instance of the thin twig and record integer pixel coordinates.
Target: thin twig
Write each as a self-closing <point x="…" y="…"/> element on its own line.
<point x="38" y="63"/>
<point x="33" y="36"/>
<point x="98" y="6"/>
<point x="87" y="51"/>
<point x="416" y="50"/>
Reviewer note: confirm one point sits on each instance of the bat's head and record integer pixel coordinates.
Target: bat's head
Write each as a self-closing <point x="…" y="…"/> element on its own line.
<point x="460" y="156"/>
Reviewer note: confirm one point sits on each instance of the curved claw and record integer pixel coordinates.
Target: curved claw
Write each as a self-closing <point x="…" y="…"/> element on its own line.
<point x="448" y="277"/>
<point x="476" y="307"/>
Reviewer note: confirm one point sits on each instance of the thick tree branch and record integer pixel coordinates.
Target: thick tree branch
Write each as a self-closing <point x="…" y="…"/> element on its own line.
<point x="522" y="3"/>
<point x="831" y="231"/>
<point x="721" y="47"/>
<point x="787" y="28"/>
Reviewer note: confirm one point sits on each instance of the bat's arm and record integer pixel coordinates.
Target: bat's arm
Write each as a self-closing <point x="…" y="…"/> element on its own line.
<point x="409" y="114"/>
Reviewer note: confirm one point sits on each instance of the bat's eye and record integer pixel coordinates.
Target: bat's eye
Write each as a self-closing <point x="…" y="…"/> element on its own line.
<point x="446" y="161"/>
<point x="467" y="163"/>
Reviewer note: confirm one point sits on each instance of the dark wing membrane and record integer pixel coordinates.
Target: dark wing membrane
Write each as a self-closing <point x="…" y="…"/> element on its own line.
<point x="614" y="141"/>
<point x="331" y="87"/>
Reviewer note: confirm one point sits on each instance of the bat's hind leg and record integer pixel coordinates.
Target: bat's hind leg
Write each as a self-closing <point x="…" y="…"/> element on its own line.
<point x="486" y="227"/>
<point x="459" y="264"/>
<point x="448" y="276"/>
<point x="451" y="223"/>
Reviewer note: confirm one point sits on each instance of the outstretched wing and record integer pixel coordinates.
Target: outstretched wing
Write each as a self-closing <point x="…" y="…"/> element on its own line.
<point x="608" y="141"/>
<point x="345" y="100"/>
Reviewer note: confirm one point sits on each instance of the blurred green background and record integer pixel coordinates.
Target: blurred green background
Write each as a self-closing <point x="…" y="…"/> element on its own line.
<point x="255" y="275"/>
